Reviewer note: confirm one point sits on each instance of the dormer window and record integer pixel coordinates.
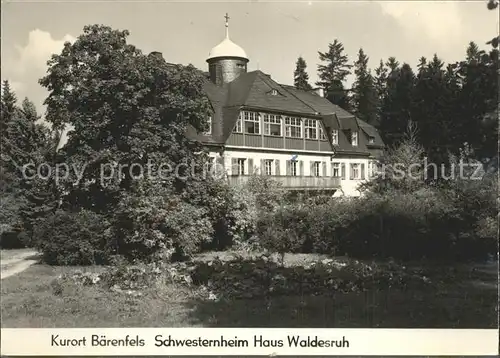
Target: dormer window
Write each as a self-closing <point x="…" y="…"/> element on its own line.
<point x="321" y="133"/>
<point x="371" y="140"/>
<point x="354" y="139"/>
<point x="252" y="122"/>
<point x="238" y="128"/>
<point x="310" y="128"/>
<point x="272" y="125"/>
<point x="335" y="137"/>
<point x="274" y="92"/>
<point x="209" y="124"/>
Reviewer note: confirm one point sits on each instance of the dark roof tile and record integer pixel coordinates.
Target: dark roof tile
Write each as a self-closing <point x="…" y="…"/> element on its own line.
<point x="253" y="90"/>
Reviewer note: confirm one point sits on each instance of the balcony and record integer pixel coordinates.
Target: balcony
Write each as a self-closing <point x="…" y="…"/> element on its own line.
<point x="295" y="182"/>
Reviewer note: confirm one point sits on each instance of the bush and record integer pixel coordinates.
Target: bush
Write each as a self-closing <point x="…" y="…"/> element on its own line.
<point x="188" y="228"/>
<point x="155" y="223"/>
<point x="80" y="238"/>
<point x="261" y="277"/>
<point x="234" y="210"/>
<point x="428" y="223"/>
<point x="281" y="232"/>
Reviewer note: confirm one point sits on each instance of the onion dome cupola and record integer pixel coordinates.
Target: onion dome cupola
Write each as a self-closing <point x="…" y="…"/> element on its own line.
<point x="226" y="61"/>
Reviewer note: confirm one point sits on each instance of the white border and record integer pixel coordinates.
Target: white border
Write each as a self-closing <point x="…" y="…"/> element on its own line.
<point x="449" y="342"/>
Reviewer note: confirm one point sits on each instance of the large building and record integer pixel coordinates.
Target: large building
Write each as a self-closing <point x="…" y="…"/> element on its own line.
<point x="258" y="126"/>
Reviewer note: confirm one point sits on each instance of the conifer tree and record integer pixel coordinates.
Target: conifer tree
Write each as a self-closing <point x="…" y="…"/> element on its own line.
<point x="380" y="84"/>
<point x="433" y="110"/>
<point x="364" y="94"/>
<point x="300" y="76"/>
<point x="397" y="105"/>
<point x="333" y="72"/>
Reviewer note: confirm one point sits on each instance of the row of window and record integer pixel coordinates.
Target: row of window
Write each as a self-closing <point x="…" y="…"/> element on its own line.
<point x="273" y="126"/>
<point x="243" y="166"/>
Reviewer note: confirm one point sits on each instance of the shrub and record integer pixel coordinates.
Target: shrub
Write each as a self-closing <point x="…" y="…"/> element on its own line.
<point x="68" y="238"/>
<point x="187" y="227"/>
<point x="234" y="210"/>
<point x="425" y="224"/>
<point x="215" y="196"/>
<point x="155" y="223"/>
<point x="397" y="170"/>
<point x="260" y="277"/>
<point x="136" y="224"/>
<point x="280" y="232"/>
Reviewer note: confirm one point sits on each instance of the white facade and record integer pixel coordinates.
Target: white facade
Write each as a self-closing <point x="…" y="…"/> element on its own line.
<point x="244" y="161"/>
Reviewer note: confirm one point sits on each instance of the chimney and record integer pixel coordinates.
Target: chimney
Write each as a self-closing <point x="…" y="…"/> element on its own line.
<point x="319" y="91"/>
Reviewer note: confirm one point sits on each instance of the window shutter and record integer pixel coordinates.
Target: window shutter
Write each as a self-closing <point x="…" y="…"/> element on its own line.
<point x="250" y="166"/>
<point x="311" y="168"/>
<point x="234" y="166"/>
<point x="323" y="173"/>
<point x="351" y="172"/>
<point x="301" y="164"/>
<point x="342" y="171"/>
<point x="363" y="171"/>
<point x="288" y="168"/>
<point x="277" y="167"/>
<point x="262" y="168"/>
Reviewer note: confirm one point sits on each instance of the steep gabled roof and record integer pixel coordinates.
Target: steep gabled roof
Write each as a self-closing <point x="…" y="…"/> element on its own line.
<point x="254" y="90"/>
<point x="371" y="131"/>
<point x="320" y="104"/>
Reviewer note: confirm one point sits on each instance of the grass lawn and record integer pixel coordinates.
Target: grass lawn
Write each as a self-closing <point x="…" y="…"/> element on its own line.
<point x="468" y="299"/>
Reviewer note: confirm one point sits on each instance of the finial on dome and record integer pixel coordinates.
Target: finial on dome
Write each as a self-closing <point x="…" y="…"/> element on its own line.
<point x="227" y="25"/>
<point x="227" y="48"/>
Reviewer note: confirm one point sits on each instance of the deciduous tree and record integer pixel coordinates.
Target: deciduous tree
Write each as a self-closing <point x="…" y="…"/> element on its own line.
<point x="126" y="108"/>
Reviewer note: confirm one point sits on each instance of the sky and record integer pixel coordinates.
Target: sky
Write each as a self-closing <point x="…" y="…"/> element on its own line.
<point x="273" y="34"/>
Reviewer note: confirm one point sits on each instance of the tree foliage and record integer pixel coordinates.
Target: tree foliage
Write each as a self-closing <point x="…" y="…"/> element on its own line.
<point x="24" y="142"/>
<point x="333" y="72"/>
<point x="397" y="105"/>
<point x="127" y="109"/>
<point x="300" y="76"/>
<point x="364" y="94"/>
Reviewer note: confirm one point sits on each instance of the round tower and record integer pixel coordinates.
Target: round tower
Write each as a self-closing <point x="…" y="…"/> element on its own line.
<point x="226" y="61"/>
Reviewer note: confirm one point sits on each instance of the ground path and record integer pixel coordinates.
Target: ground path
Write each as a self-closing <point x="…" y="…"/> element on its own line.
<point x="17" y="263"/>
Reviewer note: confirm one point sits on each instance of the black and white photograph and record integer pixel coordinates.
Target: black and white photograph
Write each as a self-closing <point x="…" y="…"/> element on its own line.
<point x="312" y="164"/>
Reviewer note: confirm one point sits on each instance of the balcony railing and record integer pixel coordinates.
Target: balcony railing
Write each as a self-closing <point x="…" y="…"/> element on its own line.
<point x="294" y="182"/>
